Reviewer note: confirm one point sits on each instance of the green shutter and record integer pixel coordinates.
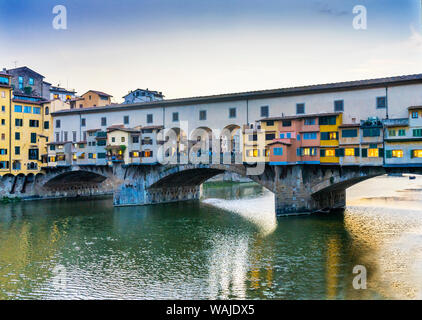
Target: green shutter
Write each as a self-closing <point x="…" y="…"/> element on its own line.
<point x="381" y="152"/>
<point x="389" y="154"/>
<point x="364" y="153"/>
<point x="412" y="155"/>
<point x="357" y="152"/>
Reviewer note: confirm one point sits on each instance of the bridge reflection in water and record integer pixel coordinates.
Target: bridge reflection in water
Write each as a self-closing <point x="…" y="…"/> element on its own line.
<point x="197" y="250"/>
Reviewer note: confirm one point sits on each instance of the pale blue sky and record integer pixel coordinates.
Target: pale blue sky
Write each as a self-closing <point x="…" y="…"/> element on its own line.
<point x="200" y="47"/>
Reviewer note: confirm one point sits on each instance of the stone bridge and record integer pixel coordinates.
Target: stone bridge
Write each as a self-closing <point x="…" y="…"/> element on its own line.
<point x="297" y="188"/>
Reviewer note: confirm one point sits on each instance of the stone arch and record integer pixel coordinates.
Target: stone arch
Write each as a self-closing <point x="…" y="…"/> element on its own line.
<point x="74" y="177"/>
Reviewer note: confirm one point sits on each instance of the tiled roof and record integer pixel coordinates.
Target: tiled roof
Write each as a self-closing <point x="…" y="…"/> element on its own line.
<point x="100" y="93"/>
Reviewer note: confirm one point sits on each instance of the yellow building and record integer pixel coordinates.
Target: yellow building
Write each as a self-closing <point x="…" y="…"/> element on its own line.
<point x="255" y="148"/>
<point x="5" y="101"/>
<point x="29" y="134"/>
<point x="329" y="141"/>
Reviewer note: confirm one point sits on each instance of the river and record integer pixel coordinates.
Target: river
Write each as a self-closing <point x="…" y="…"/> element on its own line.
<point x="229" y="245"/>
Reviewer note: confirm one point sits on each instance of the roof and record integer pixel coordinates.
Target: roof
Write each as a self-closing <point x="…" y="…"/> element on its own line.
<point x="279" y="142"/>
<point x="349" y="125"/>
<point x="152" y="127"/>
<point x="293" y="91"/>
<point x="414" y="108"/>
<point x="129" y="130"/>
<point x="396" y="122"/>
<point x="157" y="93"/>
<point x="25" y="68"/>
<point x="93" y="130"/>
<point x="100" y="93"/>
<point x="59" y="142"/>
<point x="59" y="89"/>
<point x="314" y="115"/>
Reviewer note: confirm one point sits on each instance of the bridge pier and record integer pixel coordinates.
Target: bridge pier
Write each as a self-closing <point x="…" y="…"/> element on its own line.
<point x="135" y="194"/>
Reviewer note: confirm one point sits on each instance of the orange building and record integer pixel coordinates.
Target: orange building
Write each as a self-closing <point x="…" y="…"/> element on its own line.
<point x="92" y="98"/>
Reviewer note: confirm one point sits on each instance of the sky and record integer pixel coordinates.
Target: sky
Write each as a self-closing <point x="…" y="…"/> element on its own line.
<point x="190" y="48"/>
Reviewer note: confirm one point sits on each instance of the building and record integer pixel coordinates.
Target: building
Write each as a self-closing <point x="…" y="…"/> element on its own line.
<point x="403" y="139"/>
<point x="349" y="144"/>
<point x="61" y="93"/>
<point x="27" y="81"/>
<point x="329" y="141"/>
<point x="149" y="144"/>
<point x="372" y="142"/>
<point x="357" y="100"/>
<point x="92" y="98"/>
<point x="5" y="113"/>
<point x="141" y="95"/>
<point x="29" y="134"/>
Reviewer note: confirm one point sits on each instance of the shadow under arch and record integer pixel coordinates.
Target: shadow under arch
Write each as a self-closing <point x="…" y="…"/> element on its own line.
<point x="75" y="177"/>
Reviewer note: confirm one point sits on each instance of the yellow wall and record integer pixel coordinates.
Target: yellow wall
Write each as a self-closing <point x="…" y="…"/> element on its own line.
<point x="4" y="126"/>
<point x="24" y="142"/>
<point x="332" y="128"/>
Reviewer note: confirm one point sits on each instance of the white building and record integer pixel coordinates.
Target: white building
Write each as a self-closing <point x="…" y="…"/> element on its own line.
<point x="382" y="98"/>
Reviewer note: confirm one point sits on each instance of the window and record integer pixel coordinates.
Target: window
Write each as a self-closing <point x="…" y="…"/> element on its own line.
<point x="349" y="133"/>
<point x="27" y="109"/>
<point x="3" y="151"/>
<point x="17" y="108"/>
<point x="203" y="115"/>
<point x="3" y="108"/>
<point x="100" y="143"/>
<point x="287" y="123"/>
<point x="33" y="137"/>
<point x="327" y="120"/>
<point x="415" y="115"/>
<point x="17" y="136"/>
<point x="31" y="81"/>
<point x="103" y="121"/>
<point x="101" y="155"/>
<point x="34" y="123"/>
<point x="270" y="136"/>
<point x="253" y="153"/>
<point x="17" y="150"/>
<point x="417" y="132"/>
<point x="349" y="152"/>
<point x="232" y="113"/>
<point x="73" y="136"/>
<point x="46" y="125"/>
<point x="149" y="118"/>
<point x="4" y="164"/>
<point x="397" y="153"/>
<point x="36" y="110"/>
<point x="58" y="123"/>
<point x="123" y="139"/>
<point x="329" y="136"/>
<point x="175" y="116"/>
<point x="416" y="154"/>
<point x="373" y="153"/>
<point x="265" y="111"/>
<point x="309" y="121"/>
<point x="253" y="137"/>
<point x="300" y="108"/>
<point x="83" y="122"/>
<point x="113" y="139"/>
<point x="381" y="102"/>
<point x="147" y="153"/>
<point x="33" y="154"/>
<point x="278" y="151"/>
<point x="47" y="111"/>
<point x="392" y="133"/>
<point x="309" y="135"/>
<point x="289" y="135"/>
<point x="126" y="119"/>
<point x="338" y="105"/>
<point x="57" y="136"/>
<point x="309" y="152"/>
<point x="135" y="139"/>
<point x="65" y="136"/>
<point x="20" y="80"/>
<point x="16" y="165"/>
<point x="328" y="152"/>
<point x="402" y="132"/>
<point x="371" y="132"/>
<point x="3" y="122"/>
<point x="269" y="123"/>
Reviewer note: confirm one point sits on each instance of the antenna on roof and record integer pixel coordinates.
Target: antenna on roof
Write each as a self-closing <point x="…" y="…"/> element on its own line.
<point x="15" y="62"/>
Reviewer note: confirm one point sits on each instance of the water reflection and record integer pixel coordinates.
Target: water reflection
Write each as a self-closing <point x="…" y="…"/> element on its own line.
<point x="230" y="245"/>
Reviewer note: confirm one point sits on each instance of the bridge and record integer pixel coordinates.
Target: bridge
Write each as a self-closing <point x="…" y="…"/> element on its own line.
<point x="298" y="189"/>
